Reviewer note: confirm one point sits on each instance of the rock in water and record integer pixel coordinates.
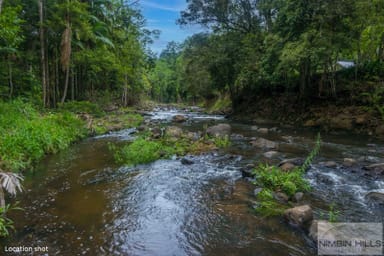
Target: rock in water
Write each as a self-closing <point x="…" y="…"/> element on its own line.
<point x="374" y="167"/>
<point x="349" y="162"/>
<point x="270" y="154"/>
<point x="186" y="161"/>
<point x="263" y="130"/>
<point x="174" y="132"/>
<point x="264" y="143"/>
<point x="299" y="216"/>
<point x="219" y="130"/>
<point x="376" y="196"/>
<point x="298" y="196"/>
<point x="286" y="167"/>
<point x="179" y="119"/>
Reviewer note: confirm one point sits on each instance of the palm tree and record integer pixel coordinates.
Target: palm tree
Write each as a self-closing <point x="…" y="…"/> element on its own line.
<point x="11" y="182"/>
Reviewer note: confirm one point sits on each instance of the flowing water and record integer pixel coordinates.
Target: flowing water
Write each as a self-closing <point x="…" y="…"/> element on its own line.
<point x="79" y="202"/>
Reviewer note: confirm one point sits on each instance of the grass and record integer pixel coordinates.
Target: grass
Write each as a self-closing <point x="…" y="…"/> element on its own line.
<point x="146" y="149"/>
<point x="142" y="151"/>
<point x="116" y="121"/>
<point x="28" y="135"/>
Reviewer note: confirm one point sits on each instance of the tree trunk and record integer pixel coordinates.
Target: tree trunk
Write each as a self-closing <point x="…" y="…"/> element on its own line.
<point x="125" y="92"/>
<point x="10" y="79"/>
<point x="65" y="86"/>
<point x="42" y="52"/>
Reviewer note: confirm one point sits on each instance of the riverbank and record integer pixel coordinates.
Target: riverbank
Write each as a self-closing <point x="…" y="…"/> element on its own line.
<point x="324" y="115"/>
<point x="30" y="133"/>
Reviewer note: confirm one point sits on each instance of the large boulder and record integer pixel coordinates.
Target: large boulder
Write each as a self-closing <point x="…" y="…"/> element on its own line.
<point x="299" y="216"/>
<point x="219" y="130"/>
<point x="264" y="143"/>
<point x="174" y="132"/>
<point x="179" y="119"/>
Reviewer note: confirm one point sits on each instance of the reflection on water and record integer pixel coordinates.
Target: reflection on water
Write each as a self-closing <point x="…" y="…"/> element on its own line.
<point x="80" y="202"/>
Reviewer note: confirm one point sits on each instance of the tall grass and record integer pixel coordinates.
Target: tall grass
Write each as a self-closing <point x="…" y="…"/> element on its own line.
<point x="27" y="135"/>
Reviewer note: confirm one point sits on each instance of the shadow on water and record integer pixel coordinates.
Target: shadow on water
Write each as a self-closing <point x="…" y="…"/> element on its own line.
<point x="79" y="202"/>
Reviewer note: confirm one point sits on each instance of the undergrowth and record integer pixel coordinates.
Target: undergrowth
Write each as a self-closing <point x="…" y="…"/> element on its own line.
<point x="272" y="179"/>
<point x="28" y="135"/>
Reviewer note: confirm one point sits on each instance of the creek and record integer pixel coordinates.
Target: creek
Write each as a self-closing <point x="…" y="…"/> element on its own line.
<point x="80" y="202"/>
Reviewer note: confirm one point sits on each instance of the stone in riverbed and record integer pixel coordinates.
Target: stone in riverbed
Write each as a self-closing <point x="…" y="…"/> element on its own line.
<point x="299" y="216"/>
<point x="179" y="119"/>
<point x="374" y="167"/>
<point x="263" y="130"/>
<point x="257" y="191"/>
<point x="219" y="130"/>
<point x="375" y="196"/>
<point x="329" y="164"/>
<point x="298" y="196"/>
<point x="281" y="197"/>
<point x="349" y="162"/>
<point x="264" y="143"/>
<point x="286" y="167"/>
<point x="186" y="161"/>
<point x="270" y="154"/>
<point x="295" y="161"/>
<point x="174" y="132"/>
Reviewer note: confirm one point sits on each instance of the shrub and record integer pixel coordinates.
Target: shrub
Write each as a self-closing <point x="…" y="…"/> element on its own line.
<point x="142" y="151"/>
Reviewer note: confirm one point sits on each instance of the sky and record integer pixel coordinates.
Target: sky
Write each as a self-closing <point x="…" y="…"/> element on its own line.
<point x="162" y="15"/>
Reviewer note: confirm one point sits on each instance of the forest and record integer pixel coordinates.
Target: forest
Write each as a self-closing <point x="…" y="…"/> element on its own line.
<point x="57" y="51"/>
<point x="71" y="69"/>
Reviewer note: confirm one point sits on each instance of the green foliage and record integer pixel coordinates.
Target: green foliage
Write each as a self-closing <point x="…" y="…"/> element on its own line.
<point x="333" y="213"/>
<point x="28" y="136"/>
<point x="6" y="223"/>
<point x="275" y="179"/>
<point x="142" y="151"/>
<point x="222" y="142"/>
<point x="82" y="107"/>
<point x="315" y="151"/>
<point x="267" y="205"/>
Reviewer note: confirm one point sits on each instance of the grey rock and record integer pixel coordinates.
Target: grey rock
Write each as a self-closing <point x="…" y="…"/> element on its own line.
<point x="286" y="167"/>
<point x="281" y="197"/>
<point x="329" y="164"/>
<point x="349" y="162"/>
<point x="219" y="130"/>
<point x="179" y="119"/>
<point x="298" y="196"/>
<point x="299" y="216"/>
<point x="257" y="191"/>
<point x="264" y="143"/>
<point x="270" y="154"/>
<point x="174" y="131"/>
<point x="263" y="130"/>
<point x="186" y="161"/>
